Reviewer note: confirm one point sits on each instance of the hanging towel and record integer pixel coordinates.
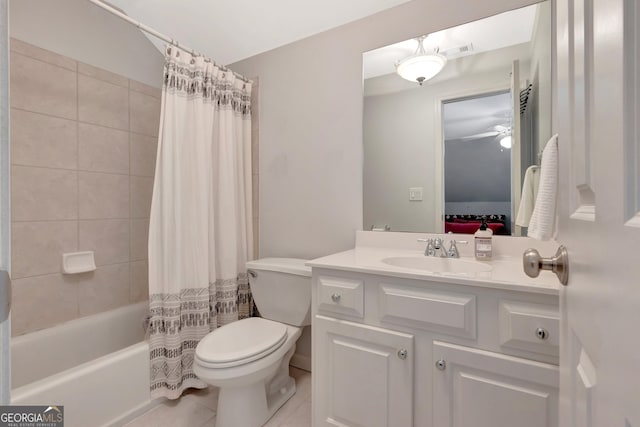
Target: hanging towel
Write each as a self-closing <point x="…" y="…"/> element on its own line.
<point x="529" y="194"/>
<point x="543" y="218"/>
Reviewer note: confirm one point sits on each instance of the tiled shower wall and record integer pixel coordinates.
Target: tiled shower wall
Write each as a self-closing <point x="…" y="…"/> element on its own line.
<point x="83" y="144"/>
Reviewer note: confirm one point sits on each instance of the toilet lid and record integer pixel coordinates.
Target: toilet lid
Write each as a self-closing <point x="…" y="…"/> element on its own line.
<point x="241" y="342"/>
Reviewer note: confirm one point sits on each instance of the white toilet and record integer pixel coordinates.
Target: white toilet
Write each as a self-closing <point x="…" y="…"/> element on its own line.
<point x="249" y="359"/>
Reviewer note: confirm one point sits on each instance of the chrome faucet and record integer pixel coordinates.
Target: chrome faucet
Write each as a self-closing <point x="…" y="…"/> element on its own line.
<point x="436" y="248"/>
<point x="453" y="250"/>
<point x="429" y="250"/>
<point x="438" y="245"/>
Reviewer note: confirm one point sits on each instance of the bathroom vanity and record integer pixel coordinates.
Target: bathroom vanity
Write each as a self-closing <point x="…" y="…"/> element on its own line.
<point x="400" y="339"/>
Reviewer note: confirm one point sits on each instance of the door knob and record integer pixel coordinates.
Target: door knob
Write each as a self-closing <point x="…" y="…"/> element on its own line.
<point x="335" y="298"/>
<point x="559" y="264"/>
<point x="403" y="353"/>
<point x="441" y="365"/>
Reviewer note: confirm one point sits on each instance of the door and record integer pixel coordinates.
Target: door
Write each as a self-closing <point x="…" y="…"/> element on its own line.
<point x="596" y="117"/>
<point x="5" y="283"/>
<point x="369" y="375"/>
<point x="478" y="388"/>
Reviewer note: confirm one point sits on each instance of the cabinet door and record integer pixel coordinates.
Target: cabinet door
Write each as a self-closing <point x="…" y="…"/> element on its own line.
<point x="477" y="388"/>
<point x="363" y="375"/>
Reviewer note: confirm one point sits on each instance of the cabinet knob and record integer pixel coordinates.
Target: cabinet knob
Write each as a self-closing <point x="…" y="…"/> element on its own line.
<point x="441" y="365"/>
<point x="403" y="353"/>
<point x="542" y="333"/>
<point x="335" y="298"/>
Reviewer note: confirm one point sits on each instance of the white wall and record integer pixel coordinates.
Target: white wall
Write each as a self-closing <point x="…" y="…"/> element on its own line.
<point x="311" y="123"/>
<point x="86" y="33"/>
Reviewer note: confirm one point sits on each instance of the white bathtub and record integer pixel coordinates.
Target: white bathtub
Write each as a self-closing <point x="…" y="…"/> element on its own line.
<point x="97" y="367"/>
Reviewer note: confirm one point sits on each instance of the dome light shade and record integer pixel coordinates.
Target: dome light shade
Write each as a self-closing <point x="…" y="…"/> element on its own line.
<point x="421" y="66"/>
<point x="506" y="141"/>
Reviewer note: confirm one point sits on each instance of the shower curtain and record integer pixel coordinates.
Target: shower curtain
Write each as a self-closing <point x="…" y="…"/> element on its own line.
<point x="200" y="231"/>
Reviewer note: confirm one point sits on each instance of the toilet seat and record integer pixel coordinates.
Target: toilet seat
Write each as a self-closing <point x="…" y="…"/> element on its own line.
<point x="240" y="342"/>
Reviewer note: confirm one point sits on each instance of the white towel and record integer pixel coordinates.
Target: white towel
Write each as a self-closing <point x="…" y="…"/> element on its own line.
<point x="529" y="194"/>
<point x="543" y="219"/>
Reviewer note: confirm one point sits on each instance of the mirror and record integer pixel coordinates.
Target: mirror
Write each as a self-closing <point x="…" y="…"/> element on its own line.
<point x="442" y="152"/>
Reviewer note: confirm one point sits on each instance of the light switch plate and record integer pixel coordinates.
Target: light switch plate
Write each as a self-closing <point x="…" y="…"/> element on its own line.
<point x="415" y="193"/>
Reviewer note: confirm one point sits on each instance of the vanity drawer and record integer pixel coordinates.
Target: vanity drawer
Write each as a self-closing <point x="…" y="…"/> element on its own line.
<point x="450" y="313"/>
<point x="341" y="296"/>
<point x="529" y="326"/>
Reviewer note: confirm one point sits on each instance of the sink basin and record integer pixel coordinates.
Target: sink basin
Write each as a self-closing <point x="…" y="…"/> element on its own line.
<point x="453" y="266"/>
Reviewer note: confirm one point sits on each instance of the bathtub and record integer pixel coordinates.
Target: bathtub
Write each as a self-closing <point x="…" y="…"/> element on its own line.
<point x="97" y="367"/>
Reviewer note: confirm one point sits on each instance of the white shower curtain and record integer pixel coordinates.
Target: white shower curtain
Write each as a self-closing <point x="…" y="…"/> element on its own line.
<point x="200" y="232"/>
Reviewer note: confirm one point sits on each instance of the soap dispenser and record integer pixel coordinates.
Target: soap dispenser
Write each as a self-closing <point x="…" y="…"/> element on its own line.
<point x="483" y="244"/>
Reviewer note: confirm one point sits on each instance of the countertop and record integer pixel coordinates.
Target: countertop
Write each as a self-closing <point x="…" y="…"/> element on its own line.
<point x="506" y="272"/>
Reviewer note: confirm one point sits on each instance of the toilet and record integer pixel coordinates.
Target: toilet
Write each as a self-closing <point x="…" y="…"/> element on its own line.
<point x="249" y="359"/>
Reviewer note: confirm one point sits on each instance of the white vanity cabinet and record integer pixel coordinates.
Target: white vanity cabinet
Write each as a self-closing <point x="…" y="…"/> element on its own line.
<point x="395" y="352"/>
<point x="474" y="387"/>
<point x="367" y="374"/>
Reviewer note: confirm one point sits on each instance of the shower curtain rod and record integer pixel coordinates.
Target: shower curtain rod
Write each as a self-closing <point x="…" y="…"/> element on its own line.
<point x="157" y="34"/>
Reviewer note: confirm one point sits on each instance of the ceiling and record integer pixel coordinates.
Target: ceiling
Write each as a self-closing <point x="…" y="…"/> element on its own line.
<point x="495" y="32"/>
<point x="468" y="117"/>
<point x="231" y="30"/>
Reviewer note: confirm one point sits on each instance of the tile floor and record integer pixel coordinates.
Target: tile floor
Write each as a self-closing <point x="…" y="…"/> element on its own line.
<point x="197" y="408"/>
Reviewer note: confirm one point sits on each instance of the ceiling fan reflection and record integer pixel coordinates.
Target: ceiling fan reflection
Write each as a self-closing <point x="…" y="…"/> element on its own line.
<point x="502" y="133"/>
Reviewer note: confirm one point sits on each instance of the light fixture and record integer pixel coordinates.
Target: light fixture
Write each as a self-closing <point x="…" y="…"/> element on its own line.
<point x="505" y="141"/>
<point x="421" y="66"/>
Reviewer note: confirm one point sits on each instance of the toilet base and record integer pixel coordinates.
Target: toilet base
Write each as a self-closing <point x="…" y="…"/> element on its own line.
<point x="254" y="404"/>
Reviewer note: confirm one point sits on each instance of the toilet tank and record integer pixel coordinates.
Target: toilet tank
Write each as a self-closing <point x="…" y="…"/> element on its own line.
<point x="281" y="289"/>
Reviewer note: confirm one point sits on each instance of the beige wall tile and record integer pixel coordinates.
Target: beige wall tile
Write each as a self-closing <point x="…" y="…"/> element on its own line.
<point x="43" y="194"/>
<point x="102" y="149"/>
<point x="42" y="88"/>
<point x="108" y="238"/>
<point x="141" y="192"/>
<point x="102" y="103"/>
<point x="35" y="52"/>
<point x="37" y="247"/>
<point x="41" y="140"/>
<point x="143" y="154"/>
<point x="43" y="301"/>
<point x="104" y="289"/>
<point x="72" y="158"/>
<point x="103" y="195"/>
<point x="139" y="239"/>
<point x="145" y="113"/>
<point x="139" y="281"/>
<point x="156" y="92"/>
<point x="104" y="75"/>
